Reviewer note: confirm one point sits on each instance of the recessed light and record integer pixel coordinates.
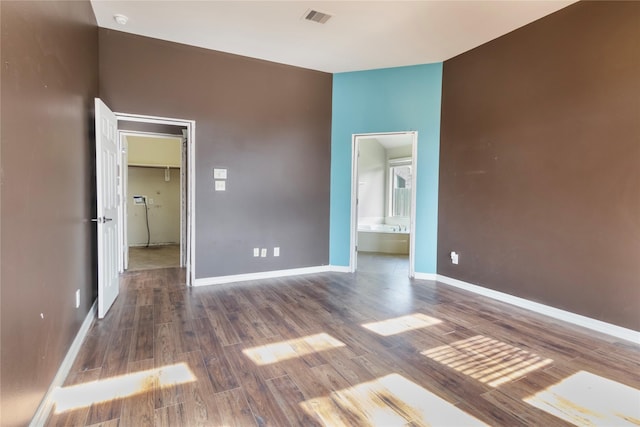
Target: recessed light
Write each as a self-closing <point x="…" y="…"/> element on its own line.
<point x="120" y="19"/>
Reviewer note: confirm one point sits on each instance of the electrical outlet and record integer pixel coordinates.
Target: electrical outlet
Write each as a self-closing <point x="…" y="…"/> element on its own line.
<point x="276" y="251"/>
<point x="455" y="257"/>
<point x="78" y="298"/>
<point x="263" y="253"/>
<point x="256" y="252"/>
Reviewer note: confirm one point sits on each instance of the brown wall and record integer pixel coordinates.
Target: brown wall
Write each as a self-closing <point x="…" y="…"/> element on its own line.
<point x="268" y="124"/>
<point x="540" y="163"/>
<point x="49" y="78"/>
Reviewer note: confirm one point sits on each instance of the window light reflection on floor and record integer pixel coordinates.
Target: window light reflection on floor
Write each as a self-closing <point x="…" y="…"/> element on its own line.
<point x="401" y="324"/>
<point x="487" y="360"/>
<point x="284" y="350"/>
<point x="587" y="399"/>
<point x="85" y="394"/>
<point x="389" y="400"/>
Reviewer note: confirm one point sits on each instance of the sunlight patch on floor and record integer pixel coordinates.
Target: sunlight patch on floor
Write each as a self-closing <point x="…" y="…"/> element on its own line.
<point x="85" y="394"/>
<point x="586" y="399"/>
<point x="386" y="401"/>
<point x="284" y="350"/>
<point x="401" y="324"/>
<point x="487" y="360"/>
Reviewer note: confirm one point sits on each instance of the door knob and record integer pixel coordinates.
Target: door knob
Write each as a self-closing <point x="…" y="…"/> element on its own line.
<point x="101" y="220"/>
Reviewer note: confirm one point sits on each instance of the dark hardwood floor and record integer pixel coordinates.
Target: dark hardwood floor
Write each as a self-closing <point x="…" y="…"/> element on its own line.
<point x="340" y="349"/>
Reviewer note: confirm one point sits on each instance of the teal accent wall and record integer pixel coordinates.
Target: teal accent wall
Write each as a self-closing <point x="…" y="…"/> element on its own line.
<point x="387" y="100"/>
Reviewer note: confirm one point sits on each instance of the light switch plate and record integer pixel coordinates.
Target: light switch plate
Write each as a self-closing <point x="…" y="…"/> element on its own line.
<point x="219" y="173"/>
<point x="221" y="186"/>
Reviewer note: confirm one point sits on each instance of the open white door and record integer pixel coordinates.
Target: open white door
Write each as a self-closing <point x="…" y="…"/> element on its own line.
<point x="107" y="204"/>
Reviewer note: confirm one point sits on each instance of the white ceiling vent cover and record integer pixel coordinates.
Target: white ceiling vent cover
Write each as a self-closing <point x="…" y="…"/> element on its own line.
<point x="315" y="16"/>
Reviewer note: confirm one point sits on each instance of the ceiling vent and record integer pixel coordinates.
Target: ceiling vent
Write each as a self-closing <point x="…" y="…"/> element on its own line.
<point x="315" y="16"/>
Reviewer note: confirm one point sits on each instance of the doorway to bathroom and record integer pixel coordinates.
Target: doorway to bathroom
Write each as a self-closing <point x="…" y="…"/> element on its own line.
<point x="383" y="203"/>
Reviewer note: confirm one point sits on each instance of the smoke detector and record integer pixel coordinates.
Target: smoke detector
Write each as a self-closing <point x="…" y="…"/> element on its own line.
<point x="316" y="16"/>
<point x="120" y="19"/>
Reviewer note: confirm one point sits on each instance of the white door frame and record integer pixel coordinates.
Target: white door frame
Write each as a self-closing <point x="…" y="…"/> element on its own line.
<point x="189" y="256"/>
<point x="353" y="259"/>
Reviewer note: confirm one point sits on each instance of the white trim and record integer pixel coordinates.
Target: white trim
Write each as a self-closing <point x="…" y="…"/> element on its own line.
<point x="191" y="181"/>
<point x="556" y="313"/>
<point x="355" y="188"/>
<point x="41" y="415"/>
<point x="353" y="240"/>
<point x="425" y="276"/>
<point x="414" y="193"/>
<point x="340" y="269"/>
<point x="261" y="275"/>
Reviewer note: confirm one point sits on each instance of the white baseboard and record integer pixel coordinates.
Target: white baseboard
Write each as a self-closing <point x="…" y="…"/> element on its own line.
<point x="424" y="276"/>
<point x="567" y="316"/>
<point x="340" y="269"/>
<point x="41" y="415"/>
<point x="206" y="281"/>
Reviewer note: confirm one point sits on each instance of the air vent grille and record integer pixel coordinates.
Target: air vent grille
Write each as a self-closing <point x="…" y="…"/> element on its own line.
<point x="315" y="16"/>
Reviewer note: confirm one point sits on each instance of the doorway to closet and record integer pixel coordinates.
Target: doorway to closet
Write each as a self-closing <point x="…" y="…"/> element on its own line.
<point x="155" y="193"/>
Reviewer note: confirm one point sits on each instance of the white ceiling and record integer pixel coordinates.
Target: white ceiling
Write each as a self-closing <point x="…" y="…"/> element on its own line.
<point x="361" y="35"/>
<point x="392" y="140"/>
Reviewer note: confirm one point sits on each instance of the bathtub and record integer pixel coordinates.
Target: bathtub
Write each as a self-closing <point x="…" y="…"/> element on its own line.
<point x="385" y="238"/>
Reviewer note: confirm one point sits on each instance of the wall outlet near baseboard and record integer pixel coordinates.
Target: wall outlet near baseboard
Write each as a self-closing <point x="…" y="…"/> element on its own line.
<point x="78" y="298"/>
<point x="256" y="252"/>
<point x="276" y="251"/>
<point x="455" y="257"/>
<point x="263" y="253"/>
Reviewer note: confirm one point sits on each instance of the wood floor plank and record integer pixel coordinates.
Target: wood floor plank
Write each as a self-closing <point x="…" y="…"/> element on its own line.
<point x="165" y="351"/>
<point x="162" y="310"/>
<point x="94" y="348"/>
<point x="258" y="395"/>
<point x="289" y="397"/>
<point x="105" y="411"/>
<point x="185" y="336"/>
<point x="138" y="410"/>
<point x="222" y="328"/>
<point x="220" y="373"/>
<point x="171" y="416"/>
<point x="110" y="423"/>
<point x="142" y="343"/>
<point x="205" y="333"/>
<point x="127" y="316"/>
<point x="234" y="409"/>
<point x="145" y="296"/>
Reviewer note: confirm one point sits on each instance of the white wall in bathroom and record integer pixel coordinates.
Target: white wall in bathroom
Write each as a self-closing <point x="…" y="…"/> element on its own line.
<point x="372" y="168"/>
